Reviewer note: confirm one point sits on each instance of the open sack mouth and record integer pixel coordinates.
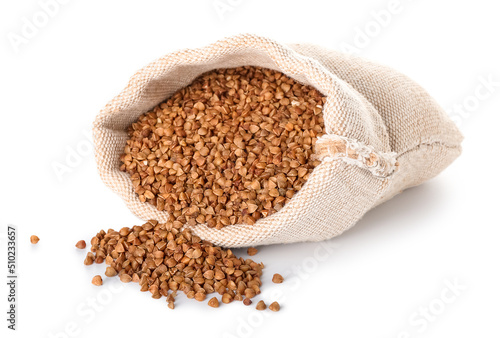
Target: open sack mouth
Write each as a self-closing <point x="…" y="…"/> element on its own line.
<point x="232" y="147"/>
<point x="272" y="144"/>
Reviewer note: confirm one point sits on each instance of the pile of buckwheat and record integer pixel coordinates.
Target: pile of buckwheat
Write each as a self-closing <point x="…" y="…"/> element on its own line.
<point x="232" y="147"/>
<point x="164" y="259"/>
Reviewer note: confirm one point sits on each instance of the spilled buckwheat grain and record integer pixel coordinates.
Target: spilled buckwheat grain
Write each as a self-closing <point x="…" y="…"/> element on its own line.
<point x="97" y="280"/>
<point x="232" y="147"/>
<point x="89" y="259"/>
<point x="277" y="278"/>
<point x="213" y="302"/>
<point x="252" y="251"/>
<point x="164" y="259"/>
<point x="261" y="305"/>
<point x="275" y="306"/>
<point x="81" y="244"/>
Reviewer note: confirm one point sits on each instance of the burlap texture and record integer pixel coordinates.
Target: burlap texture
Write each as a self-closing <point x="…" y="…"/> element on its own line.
<point x="384" y="134"/>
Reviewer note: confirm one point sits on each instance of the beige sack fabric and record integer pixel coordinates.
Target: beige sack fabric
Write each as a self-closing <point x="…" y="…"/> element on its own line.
<point x="384" y="134"/>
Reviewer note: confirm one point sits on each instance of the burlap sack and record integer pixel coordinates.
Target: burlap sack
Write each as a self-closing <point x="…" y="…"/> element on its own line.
<point x="384" y="134"/>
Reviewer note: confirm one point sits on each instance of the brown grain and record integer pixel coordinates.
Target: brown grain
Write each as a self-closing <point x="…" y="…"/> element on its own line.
<point x="81" y="244"/>
<point x="89" y="259"/>
<point x="261" y="305"/>
<point x="252" y="251"/>
<point x="274" y="306"/>
<point x="110" y="272"/>
<point x="213" y="302"/>
<point x="97" y="280"/>
<point x="277" y="278"/>
<point x="125" y="278"/>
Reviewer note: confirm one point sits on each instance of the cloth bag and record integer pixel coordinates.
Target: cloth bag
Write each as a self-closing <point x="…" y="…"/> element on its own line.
<point x="384" y="134"/>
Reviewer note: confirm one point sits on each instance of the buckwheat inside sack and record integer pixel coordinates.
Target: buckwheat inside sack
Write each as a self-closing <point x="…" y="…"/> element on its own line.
<point x="260" y="142"/>
<point x="232" y="147"/>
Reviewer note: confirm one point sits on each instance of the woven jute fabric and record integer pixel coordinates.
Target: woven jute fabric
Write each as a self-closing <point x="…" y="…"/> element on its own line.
<point x="384" y="133"/>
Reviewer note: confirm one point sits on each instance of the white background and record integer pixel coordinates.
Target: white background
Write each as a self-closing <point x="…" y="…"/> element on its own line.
<point x="398" y="260"/>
